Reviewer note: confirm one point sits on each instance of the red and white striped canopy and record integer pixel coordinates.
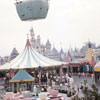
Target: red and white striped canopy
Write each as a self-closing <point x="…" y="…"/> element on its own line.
<point x="30" y="58"/>
<point x="97" y="67"/>
<point x="97" y="64"/>
<point x="84" y="61"/>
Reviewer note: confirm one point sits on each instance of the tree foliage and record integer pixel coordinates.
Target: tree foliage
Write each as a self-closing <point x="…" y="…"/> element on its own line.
<point x="91" y="94"/>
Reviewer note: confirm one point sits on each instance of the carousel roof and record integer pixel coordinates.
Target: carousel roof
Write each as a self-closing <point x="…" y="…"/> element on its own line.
<point x="97" y="67"/>
<point x="22" y="75"/>
<point x="30" y="58"/>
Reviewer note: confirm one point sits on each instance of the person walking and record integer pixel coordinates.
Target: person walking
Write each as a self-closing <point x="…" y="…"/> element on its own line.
<point x="78" y="87"/>
<point x="79" y="74"/>
<point x="81" y="86"/>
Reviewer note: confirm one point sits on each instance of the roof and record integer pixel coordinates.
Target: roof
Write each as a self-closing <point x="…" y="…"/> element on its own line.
<point x="22" y="76"/>
<point x="61" y="51"/>
<point x="31" y="30"/>
<point x="30" y="58"/>
<point x="54" y="51"/>
<point x="97" y="67"/>
<point x="14" y="52"/>
<point x="48" y="43"/>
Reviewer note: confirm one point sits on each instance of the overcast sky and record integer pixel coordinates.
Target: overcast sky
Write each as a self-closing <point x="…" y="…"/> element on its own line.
<point x="69" y="22"/>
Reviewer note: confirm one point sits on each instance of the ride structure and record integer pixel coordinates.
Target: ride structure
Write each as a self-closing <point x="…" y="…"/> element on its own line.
<point x="32" y="9"/>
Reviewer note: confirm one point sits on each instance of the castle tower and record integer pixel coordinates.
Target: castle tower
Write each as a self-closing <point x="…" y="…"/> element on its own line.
<point x="38" y="44"/>
<point x="38" y="40"/>
<point x="48" y="46"/>
<point x="14" y="54"/>
<point x="32" y="37"/>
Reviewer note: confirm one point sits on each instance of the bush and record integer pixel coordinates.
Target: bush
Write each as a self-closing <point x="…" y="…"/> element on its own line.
<point x="91" y="94"/>
<point x="69" y="94"/>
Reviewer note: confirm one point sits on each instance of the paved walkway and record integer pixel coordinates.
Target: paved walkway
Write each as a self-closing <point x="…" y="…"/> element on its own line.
<point x="78" y="81"/>
<point x="2" y="83"/>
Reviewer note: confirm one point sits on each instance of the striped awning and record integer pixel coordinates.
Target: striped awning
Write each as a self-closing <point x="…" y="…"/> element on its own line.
<point x="84" y="61"/>
<point x="30" y="58"/>
<point x="97" y="67"/>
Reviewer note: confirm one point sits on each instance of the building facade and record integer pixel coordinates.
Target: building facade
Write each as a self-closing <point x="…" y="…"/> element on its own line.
<point x="6" y="59"/>
<point x="44" y="49"/>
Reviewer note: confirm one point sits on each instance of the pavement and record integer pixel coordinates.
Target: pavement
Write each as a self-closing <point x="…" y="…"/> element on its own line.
<point x="2" y="83"/>
<point x="78" y="81"/>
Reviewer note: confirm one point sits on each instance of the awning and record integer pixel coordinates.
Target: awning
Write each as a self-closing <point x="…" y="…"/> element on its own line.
<point x="84" y="61"/>
<point x="22" y="76"/>
<point x="97" y="67"/>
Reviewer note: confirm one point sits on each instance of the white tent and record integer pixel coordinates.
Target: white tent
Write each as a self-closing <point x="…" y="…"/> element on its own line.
<point x="30" y="58"/>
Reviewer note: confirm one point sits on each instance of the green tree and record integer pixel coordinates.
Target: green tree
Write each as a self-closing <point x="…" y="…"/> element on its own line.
<point x="91" y="94"/>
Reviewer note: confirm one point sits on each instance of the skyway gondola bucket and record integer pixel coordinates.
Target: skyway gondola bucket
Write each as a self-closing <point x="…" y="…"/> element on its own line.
<point x="32" y="9"/>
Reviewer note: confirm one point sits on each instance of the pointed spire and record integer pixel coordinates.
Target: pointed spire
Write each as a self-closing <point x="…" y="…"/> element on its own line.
<point x="32" y="33"/>
<point x="48" y="43"/>
<point x="31" y="30"/>
<point x="89" y="45"/>
<point x="61" y="51"/>
<point x="28" y="44"/>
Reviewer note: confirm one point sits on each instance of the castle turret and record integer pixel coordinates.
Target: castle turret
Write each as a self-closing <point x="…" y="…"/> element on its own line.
<point x="32" y="37"/>
<point x="38" y="40"/>
<point x="48" y="46"/>
<point x="14" y="54"/>
<point x="32" y="33"/>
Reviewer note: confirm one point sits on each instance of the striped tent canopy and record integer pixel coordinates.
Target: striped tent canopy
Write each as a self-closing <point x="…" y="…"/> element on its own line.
<point x="22" y="76"/>
<point x="30" y="58"/>
<point x="84" y="61"/>
<point x="97" y="67"/>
